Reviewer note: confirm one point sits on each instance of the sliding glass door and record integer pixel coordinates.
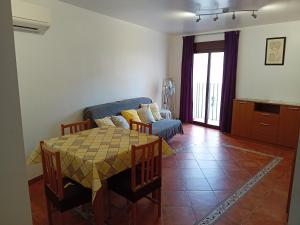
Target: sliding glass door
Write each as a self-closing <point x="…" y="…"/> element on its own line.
<point x="207" y="87"/>
<point x="200" y="86"/>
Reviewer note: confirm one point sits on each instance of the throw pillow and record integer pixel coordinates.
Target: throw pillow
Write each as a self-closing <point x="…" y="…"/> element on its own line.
<point x="131" y="114"/>
<point x="154" y="109"/>
<point x="145" y="115"/>
<point x="106" y="121"/>
<point x="120" y="121"/>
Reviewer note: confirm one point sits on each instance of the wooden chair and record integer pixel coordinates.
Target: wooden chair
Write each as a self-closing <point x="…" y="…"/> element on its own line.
<point x="141" y="127"/>
<point x="61" y="193"/>
<point x="143" y="178"/>
<point x="75" y="127"/>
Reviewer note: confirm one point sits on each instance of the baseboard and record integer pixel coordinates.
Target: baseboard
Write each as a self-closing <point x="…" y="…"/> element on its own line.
<point x="35" y="179"/>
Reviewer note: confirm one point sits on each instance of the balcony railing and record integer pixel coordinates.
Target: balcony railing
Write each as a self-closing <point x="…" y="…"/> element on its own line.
<point x="214" y="102"/>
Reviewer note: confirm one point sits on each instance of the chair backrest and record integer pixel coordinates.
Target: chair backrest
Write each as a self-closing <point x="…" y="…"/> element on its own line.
<point x="75" y="127"/>
<point x="141" y="127"/>
<point x="52" y="171"/>
<point x="145" y="164"/>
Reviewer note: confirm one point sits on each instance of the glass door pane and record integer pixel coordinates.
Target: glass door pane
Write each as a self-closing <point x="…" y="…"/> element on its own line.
<point x="199" y="86"/>
<point x="215" y="88"/>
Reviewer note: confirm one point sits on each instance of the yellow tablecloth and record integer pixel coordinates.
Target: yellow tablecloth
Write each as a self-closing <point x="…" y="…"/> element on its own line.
<point x="94" y="155"/>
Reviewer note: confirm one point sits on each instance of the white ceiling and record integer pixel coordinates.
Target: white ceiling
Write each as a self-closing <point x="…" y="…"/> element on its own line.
<point x="178" y="16"/>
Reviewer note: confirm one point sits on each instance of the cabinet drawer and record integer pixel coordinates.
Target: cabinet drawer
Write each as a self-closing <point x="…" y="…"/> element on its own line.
<point x="266" y="118"/>
<point x="265" y="132"/>
<point x="295" y="109"/>
<point x="289" y="126"/>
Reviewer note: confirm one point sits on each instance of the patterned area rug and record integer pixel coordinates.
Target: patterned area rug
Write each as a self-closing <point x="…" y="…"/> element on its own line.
<point x="222" y="207"/>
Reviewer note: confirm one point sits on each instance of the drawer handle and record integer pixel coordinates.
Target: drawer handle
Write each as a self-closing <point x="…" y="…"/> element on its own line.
<point x="293" y="108"/>
<point x="266" y="114"/>
<point x="242" y="102"/>
<point x="265" y="124"/>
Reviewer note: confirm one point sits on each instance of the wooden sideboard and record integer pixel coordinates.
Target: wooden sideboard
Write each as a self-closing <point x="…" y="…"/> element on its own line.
<point x="270" y="122"/>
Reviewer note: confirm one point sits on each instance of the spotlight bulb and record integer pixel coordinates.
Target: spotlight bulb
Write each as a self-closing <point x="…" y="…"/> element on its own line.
<point x="233" y="16"/>
<point x="216" y="18"/>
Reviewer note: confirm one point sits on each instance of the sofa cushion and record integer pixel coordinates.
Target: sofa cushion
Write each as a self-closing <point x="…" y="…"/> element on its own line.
<point x="145" y="115"/>
<point x="131" y="115"/>
<point x="121" y="184"/>
<point x="113" y="108"/>
<point x="106" y="121"/>
<point x="167" y="128"/>
<point x="154" y="109"/>
<point x="120" y="121"/>
<point x="74" y="195"/>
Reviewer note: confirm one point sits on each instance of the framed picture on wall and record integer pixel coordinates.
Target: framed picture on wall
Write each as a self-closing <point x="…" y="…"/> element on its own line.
<point x="275" y="51"/>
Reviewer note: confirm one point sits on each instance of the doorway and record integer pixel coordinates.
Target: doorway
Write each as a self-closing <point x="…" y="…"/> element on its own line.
<point x="207" y="85"/>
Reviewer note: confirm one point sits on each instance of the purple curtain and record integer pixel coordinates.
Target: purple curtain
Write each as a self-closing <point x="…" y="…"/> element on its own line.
<point x="186" y="91"/>
<point x="229" y="79"/>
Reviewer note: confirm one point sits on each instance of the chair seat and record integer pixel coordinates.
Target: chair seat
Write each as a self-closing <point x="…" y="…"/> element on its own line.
<point x="74" y="195"/>
<point x="121" y="184"/>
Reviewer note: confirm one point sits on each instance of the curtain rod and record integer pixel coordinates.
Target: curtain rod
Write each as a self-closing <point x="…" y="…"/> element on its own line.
<point x="212" y="32"/>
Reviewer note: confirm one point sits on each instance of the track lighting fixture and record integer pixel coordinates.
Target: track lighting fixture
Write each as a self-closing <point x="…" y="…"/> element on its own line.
<point x="216" y="17"/>
<point x="254" y="15"/>
<point x="221" y="11"/>
<point x="233" y="15"/>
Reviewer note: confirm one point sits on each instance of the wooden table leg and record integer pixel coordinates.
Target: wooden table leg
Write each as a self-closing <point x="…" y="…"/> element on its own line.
<point x="98" y="207"/>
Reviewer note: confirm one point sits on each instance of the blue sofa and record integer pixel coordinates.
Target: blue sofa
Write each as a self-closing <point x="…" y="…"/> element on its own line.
<point x="165" y="128"/>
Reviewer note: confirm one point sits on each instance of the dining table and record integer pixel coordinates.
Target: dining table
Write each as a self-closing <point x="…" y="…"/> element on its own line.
<point x="90" y="157"/>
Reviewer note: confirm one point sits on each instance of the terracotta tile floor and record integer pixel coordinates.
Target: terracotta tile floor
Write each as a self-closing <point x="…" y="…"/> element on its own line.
<point x="198" y="178"/>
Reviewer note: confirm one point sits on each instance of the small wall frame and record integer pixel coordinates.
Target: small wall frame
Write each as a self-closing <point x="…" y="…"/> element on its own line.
<point x="275" y="51"/>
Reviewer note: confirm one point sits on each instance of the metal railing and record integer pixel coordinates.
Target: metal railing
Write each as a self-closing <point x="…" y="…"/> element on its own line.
<point x="214" y="102"/>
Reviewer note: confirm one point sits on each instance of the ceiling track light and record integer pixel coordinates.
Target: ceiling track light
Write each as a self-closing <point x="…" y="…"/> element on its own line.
<point x="217" y="12"/>
<point x="216" y="17"/>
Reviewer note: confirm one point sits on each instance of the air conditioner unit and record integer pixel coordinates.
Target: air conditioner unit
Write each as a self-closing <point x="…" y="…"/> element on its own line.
<point x="30" y="17"/>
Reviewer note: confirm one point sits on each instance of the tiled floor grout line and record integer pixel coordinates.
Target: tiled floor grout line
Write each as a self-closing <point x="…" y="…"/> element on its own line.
<point x="201" y="169"/>
<point x="216" y="213"/>
<point x="204" y="176"/>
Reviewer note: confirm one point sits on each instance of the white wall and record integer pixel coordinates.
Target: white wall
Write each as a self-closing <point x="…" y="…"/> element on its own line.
<point x="83" y="59"/>
<point x="209" y="37"/>
<point x="254" y="79"/>
<point x="14" y="208"/>
<point x="174" y="66"/>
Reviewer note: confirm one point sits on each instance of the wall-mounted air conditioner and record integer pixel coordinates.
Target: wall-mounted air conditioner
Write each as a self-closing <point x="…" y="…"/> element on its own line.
<point x="30" y="17"/>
